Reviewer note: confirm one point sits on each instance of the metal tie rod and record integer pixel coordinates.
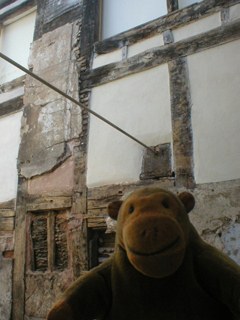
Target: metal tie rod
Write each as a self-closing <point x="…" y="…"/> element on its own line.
<point x="73" y="100"/>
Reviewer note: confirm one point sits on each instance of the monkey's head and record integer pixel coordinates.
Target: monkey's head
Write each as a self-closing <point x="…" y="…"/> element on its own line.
<point x="153" y="227"/>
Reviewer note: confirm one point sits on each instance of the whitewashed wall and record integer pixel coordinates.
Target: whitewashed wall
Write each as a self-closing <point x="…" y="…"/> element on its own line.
<point x="15" y="43"/>
<point x="9" y="145"/>
<point x="121" y="15"/>
<point x="215" y="90"/>
<point x="139" y="104"/>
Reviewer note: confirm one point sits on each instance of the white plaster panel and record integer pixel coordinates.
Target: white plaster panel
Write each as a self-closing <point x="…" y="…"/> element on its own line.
<point x="122" y="15"/>
<point x="13" y="94"/>
<point x="185" y="3"/>
<point x="145" y="45"/>
<point x="9" y="145"/>
<point x="215" y="90"/>
<point x="140" y="105"/>
<point x="107" y="58"/>
<point x="15" y="43"/>
<point x="195" y="28"/>
<point x="234" y="12"/>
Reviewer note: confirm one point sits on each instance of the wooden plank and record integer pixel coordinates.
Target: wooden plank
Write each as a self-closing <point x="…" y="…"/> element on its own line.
<point x="181" y="123"/>
<point x="160" y="55"/>
<point x="6" y="224"/>
<point x="171" y="21"/>
<point x="50" y="203"/>
<point x="11" y="106"/>
<point x="116" y="192"/>
<point x="5" y="213"/>
<point x="10" y="204"/>
<point x="51" y="240"/>
<point x="172" y="5"/>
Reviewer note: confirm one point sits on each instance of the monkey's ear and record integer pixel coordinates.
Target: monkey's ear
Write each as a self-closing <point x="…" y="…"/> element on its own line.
<point x="113" y="209"/>
<point x="187" y="200"/>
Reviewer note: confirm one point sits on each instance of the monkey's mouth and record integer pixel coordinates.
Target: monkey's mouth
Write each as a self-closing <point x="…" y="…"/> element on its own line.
<point x="171" y="245"/>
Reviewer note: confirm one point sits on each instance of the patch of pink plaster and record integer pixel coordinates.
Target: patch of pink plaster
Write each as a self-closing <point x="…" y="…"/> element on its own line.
<point x="59" y="180"/>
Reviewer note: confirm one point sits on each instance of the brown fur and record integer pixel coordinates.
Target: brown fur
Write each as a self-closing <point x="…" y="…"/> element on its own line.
<point x="161" y="269"/>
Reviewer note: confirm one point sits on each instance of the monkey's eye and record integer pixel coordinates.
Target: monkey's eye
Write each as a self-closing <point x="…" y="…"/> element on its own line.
<point x="131" y="209"/>
<point x="165" y="204"/>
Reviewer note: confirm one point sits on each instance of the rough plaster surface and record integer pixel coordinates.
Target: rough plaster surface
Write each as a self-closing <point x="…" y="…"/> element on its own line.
<point x="215" y="87"/>
<point x="49" y="121"/>
<point x="59" y="180"/>
<point x="15" y="43"/>
<point x="216" y="215"/>
<point x="42" y="291"/>
<point x="9" y="145"/>
<point x="195" y="28"/>
<point x="139" y="104"/>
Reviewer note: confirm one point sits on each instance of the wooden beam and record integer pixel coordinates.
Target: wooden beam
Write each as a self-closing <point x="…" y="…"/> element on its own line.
<point x="171" y="21"/>
<point x="51" y="240"/>
<point x="172" y="5"/>
<point x="49" y="203"/>
<point x="164" y="54"/>
<point x="19" y="253"/>
<point x="7" y="224"/>
<point x="6" y="213"/>
<point x="181" y="123"/>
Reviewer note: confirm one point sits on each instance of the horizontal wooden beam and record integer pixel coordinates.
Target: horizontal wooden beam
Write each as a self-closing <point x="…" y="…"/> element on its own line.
<point x="7" y="224"/>
<point x="170" y="21"/>
<point x="50" y="203"/>
<point x="6" y="213"/>
<point x="164" y="54"/>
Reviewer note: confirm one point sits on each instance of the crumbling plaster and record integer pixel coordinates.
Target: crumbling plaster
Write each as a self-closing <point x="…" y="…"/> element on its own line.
<point x="49" y="121"/>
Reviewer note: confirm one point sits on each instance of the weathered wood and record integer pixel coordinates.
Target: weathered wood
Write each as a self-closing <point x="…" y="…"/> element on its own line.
<point x="181" y="123"/>
<point x="42" y="27"/>
<point x="11" y="106"/>
<point x="7" y="224"/>
<point x="170" y="21"/>
<point x="10" y="204"/>
<point x="51" y="240"/>
<point x="17" y="10"/>
<point x="157" y="56"/>
<point x="6" y="213"/>
<point x="172" y="5"/>
<point x="49" y="203"/>
<point x="96" y="222"/>
<point x="105" y="194"/>
<point x="155" y="166"/>
<point x="19" y="253"/>
<point x="16" y="83"/>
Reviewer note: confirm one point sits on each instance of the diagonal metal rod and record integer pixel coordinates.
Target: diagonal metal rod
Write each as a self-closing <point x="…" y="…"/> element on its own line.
<point x="73" y="100"/>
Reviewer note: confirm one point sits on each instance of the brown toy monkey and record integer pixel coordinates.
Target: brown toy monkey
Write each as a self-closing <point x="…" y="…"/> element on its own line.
<point x="160" y="270"/>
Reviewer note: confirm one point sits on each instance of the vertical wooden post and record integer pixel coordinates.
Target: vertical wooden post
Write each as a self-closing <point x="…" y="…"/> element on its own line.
<point x="51" y="240"/>
<point x="181" y="122"/>
<point x="19" y="253"/>
<point x="172" y="5"/>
